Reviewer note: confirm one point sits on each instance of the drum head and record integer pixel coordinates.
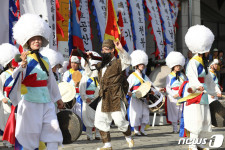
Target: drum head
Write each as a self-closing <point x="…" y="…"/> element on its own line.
<point x="67" y="91"/>
<point x="70" y="125"/>
<point x="143" y="89"/>
<point x="76" y="76"/>
<point x="158" y="76"/>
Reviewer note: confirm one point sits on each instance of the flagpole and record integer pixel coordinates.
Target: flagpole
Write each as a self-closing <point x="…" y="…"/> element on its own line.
<point x="106" y="10"/>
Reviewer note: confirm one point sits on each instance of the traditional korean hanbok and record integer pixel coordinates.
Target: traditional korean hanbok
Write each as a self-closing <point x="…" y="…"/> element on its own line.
<point x="215" y="79"/>
<point x="6" y="83"/>
<point x="36" y="117"/>
<point x="172" y="88"/>
<point x="138" y="110"/>
<point x="67" y="77"/>
<point x="197" y="117"/>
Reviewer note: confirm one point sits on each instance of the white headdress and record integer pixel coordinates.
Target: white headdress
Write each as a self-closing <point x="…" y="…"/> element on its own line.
<point x="53" y="56"/>
<point x="75" y="59"/>
<point x="7" y="53"/>
<point x="64" y="67"/>
<point x="139" y="57"/>
<point x="215" y="61"/>
<point x="175" y="58"/>
<point x="28" y="26"/>
<point x="199" y="39"/>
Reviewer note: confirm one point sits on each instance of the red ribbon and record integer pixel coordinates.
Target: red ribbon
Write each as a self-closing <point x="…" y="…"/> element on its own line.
<point x="201" y="79"/>
<point x="195" y="100"/>
<point x="7" y="90"/>
<point x="176" y="88"/>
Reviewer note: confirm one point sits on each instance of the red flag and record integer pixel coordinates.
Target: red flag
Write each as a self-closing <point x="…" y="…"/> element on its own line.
<point x="112" y="30"/>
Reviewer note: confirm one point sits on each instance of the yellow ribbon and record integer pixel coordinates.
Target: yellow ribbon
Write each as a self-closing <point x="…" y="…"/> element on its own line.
<point x="42" y="146"/>
<point x="199" y="59"/>
<point x="35" y="58"/>
<point x="136" y="75"/>
<point x="212" y="72"/>
<point x="23" y="89"/>
<point x="173" y="74"/>
<point x="190" y="96"/>
<point x="71" y="71"/>
<point x="92" y="78"/>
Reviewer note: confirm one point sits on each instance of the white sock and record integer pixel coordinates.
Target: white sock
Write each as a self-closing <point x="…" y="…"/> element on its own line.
<point x="136" y="129"/>
<point x="97" y="134"/>
<point x="128" y="138"/>
<point x="89" y="132"/>
<point x="107" y="144"/>
<point x="192" y="137"/>
<point x="174" y="126"/>
<point x="52" y="146"/>
<point x="143" y="127"/>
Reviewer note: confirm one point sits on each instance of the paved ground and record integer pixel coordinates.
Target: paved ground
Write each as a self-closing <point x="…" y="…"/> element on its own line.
<point x="159" y="138"/>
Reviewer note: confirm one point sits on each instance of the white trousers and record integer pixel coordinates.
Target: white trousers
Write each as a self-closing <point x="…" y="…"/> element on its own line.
<point x="5" y="110"/>
<point x="174" y="111"/>
<point x="139" y="113"/>
<point x="37" y="122"/>
<point x="103" y="120"/>
<point x="197" y="118"/>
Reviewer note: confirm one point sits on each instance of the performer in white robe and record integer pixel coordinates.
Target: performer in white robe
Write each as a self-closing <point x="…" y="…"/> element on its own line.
<point x="88" y="92"/>
<point x="212" y="68"/>
<point x="197" y="118"/>
<point x="138" y="110"/>
<point x="36" y="117"/>
<point x="67" y="77"/>
<point x="175" y="61"/>
<point x="7" y="54"/>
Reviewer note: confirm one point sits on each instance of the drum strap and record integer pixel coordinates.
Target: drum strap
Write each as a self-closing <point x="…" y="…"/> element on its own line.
<point x="137" y="76"/>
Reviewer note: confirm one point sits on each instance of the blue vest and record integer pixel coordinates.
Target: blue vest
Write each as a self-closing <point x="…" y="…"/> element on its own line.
<point x="37" y="94"/>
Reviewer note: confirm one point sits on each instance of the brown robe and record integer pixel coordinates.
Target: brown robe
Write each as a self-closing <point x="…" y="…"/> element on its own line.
<point x="113" y="86"/>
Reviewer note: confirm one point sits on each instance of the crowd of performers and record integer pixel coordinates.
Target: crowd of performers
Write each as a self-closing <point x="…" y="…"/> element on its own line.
<point x="30" y="89"/>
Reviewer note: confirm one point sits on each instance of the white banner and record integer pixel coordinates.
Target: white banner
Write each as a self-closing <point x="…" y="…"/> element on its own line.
<point x="126" y="31"/>
<point x="85" y="25"/>
<point x="139" y="23"/>
<point x="46" y="9"/>
<point x="167" y="25"/>
<point x="64" y="49"/>
<point x="175" y="10"/>
<point x="156" y="25"/>
<point x="4" y="23"/>
<point x="100" y="7"/>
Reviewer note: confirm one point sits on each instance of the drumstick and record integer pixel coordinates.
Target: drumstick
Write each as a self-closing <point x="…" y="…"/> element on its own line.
<point x="193" y="90"/>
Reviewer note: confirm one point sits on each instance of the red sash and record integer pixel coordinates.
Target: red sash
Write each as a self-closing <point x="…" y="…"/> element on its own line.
<point x="88" y="92"/>
<point x="31" y="81"/>
<point x="77" y="90"/>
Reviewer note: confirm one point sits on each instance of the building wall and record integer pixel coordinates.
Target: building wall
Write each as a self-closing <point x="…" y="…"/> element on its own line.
<point x="184" y="23"/>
